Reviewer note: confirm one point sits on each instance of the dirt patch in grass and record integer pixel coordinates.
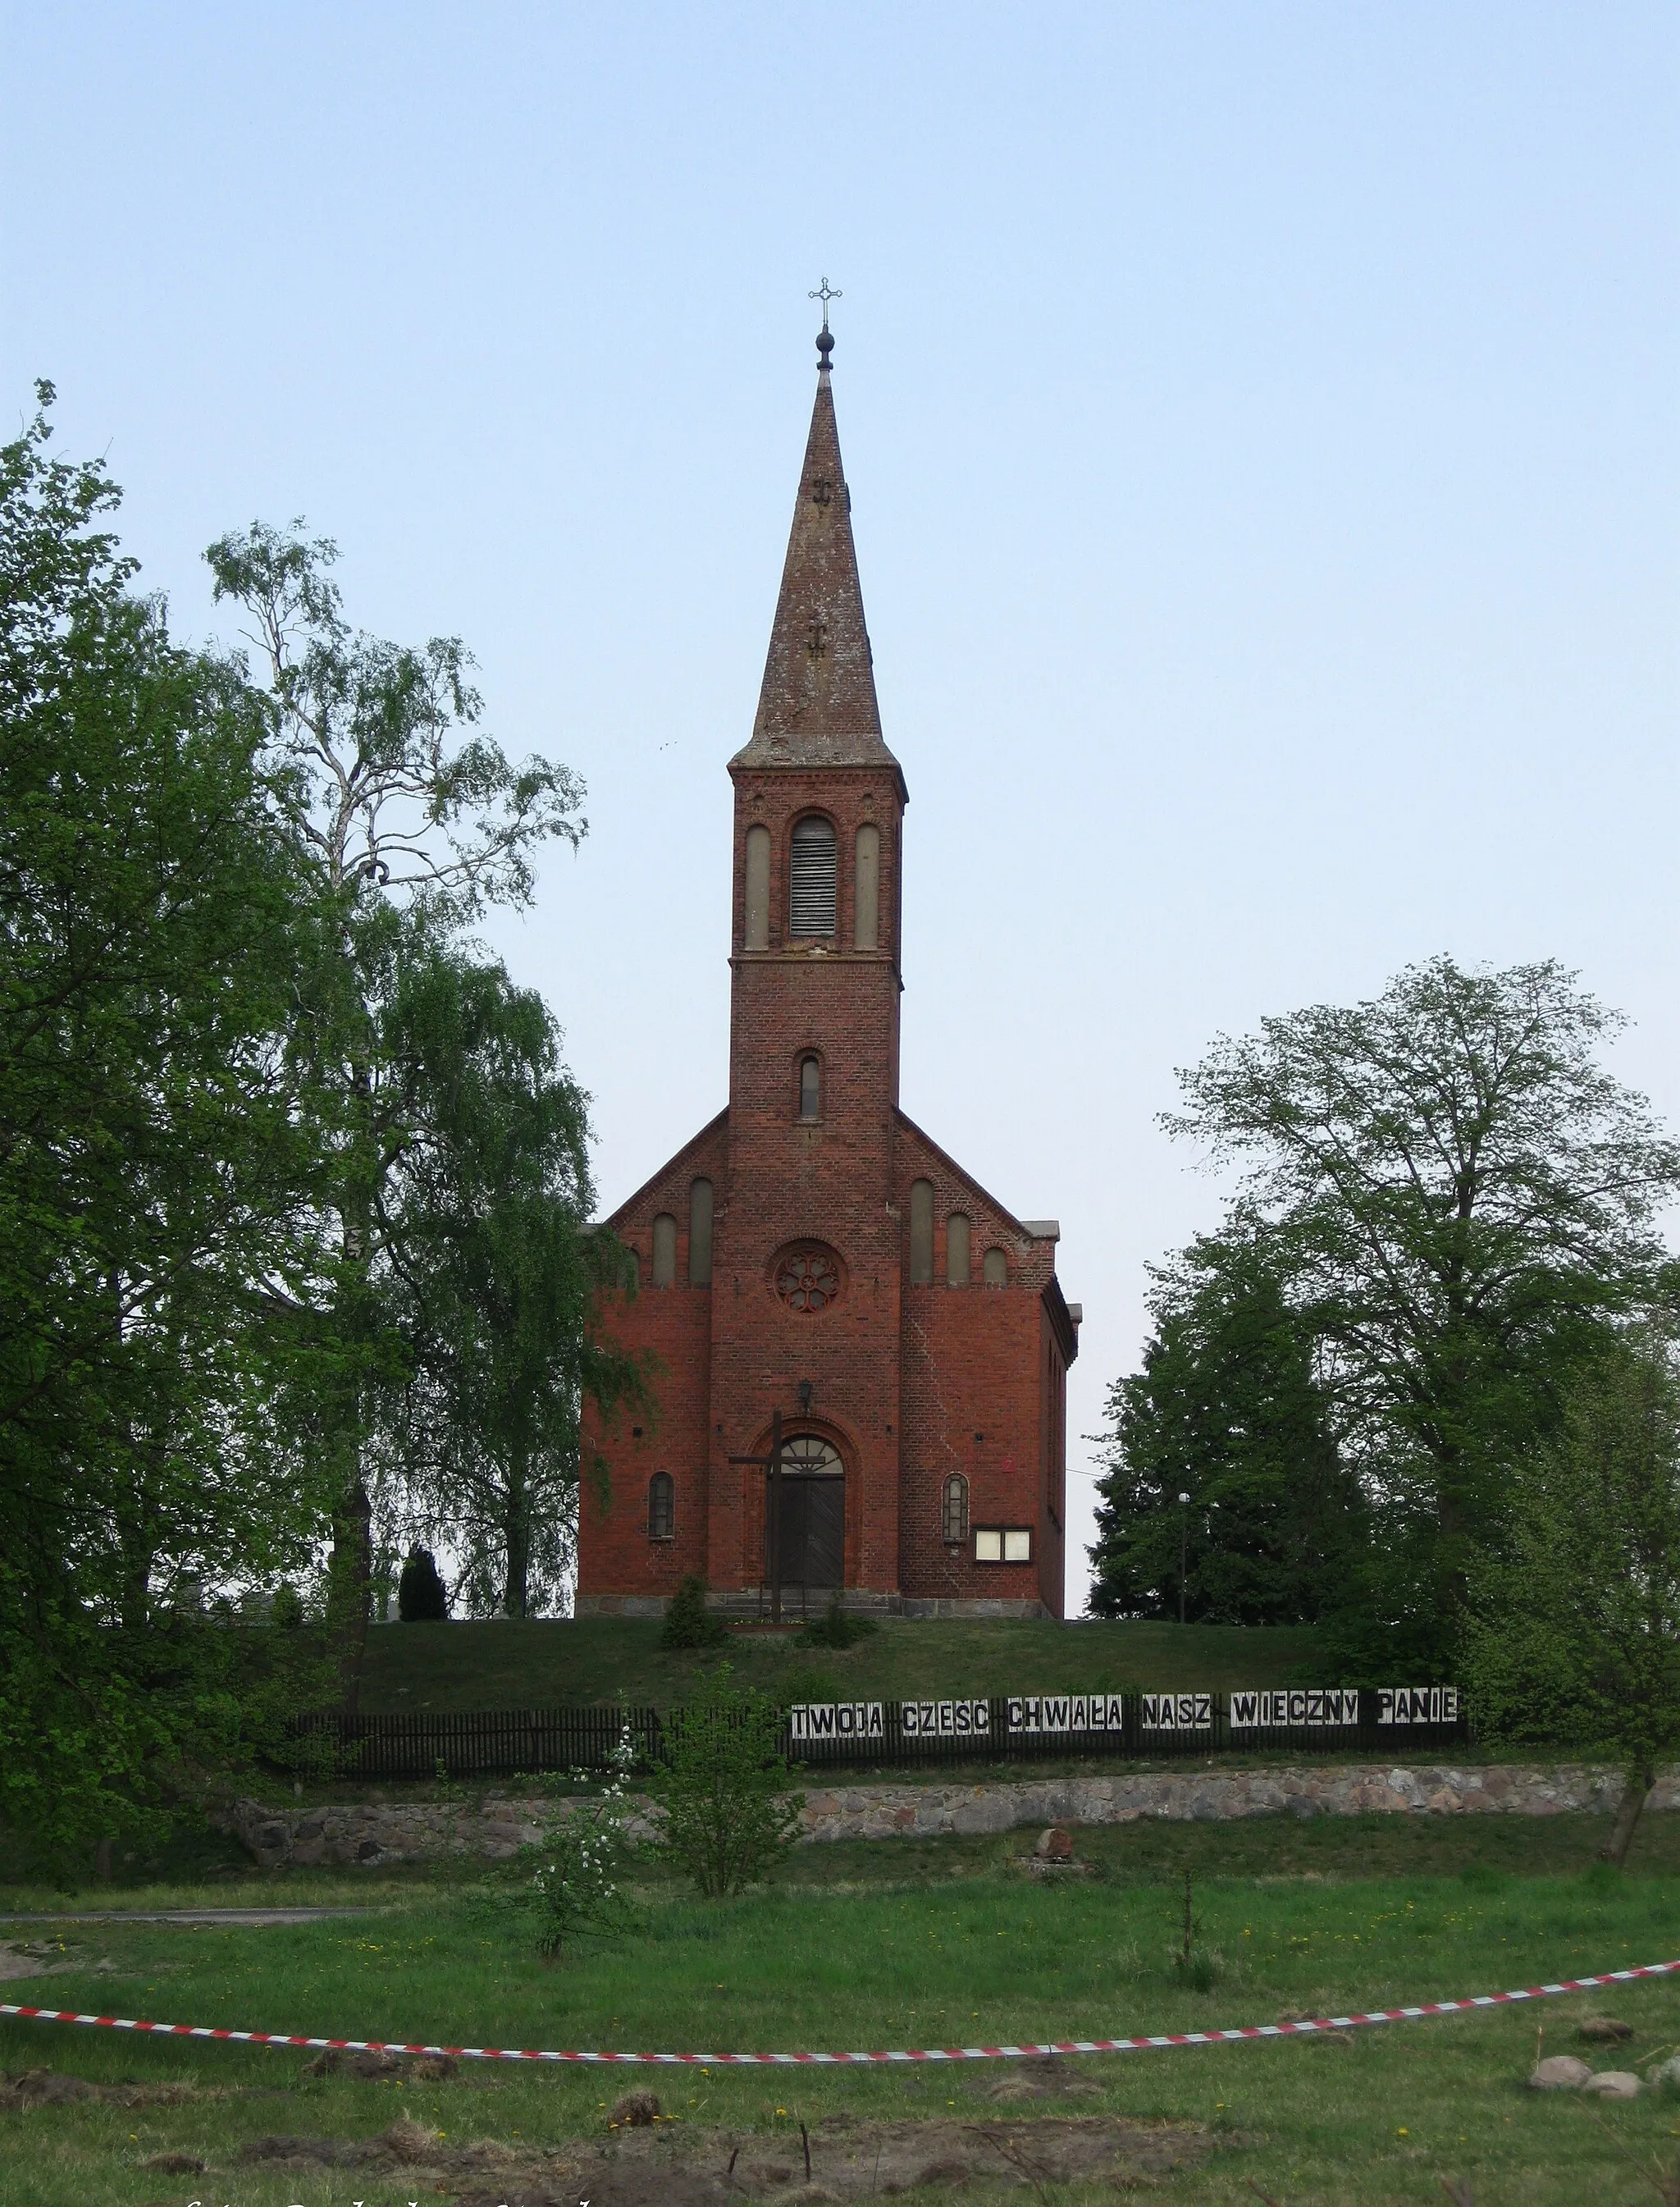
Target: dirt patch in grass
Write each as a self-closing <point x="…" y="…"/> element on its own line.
<point x="44" y="1957"/>
<point x="840" y="2158"/>
<point x="45" y="2088"/>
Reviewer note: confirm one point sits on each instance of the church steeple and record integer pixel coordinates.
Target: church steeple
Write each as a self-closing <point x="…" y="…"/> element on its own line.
<point x="817" y="705"/>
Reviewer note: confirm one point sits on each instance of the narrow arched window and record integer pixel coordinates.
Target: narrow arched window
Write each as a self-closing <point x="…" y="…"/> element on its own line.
<point x="758" y="888"/>
<point x="995" y="1269"/>
<point x="661" y="1506"/>
<point x="954" y="1512"/>
<point x="664" y="1250"/>
<point x="699" y="1235"/>
<point x="866" y="904"/>
<point x="921" y="1234"/>
<point x="812" y="877"/>
<point x="956" y="1251"/>
<point x="810" y="1088"/>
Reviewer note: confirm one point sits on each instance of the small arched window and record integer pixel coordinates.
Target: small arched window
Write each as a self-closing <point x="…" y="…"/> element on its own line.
<point x="956" y="1251"/>
<point x="813" y="897"/>
<point x="665" y="1251"/>
<point x="953" y="1511"/>
<point x="661" y="1507"/>
<point x="810" y="1088"/>
<point x="995" y="1269"/>
<point x="921" y="1234"/>
<point x="700" y="1233"/>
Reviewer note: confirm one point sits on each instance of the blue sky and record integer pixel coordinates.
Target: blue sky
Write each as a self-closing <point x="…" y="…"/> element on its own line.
<point x="1261" y="424"/>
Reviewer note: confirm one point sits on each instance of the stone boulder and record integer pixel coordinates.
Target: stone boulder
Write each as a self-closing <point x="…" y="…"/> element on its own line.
<point x="1614" y="2085"/>
<point x="1559" y="2073"/>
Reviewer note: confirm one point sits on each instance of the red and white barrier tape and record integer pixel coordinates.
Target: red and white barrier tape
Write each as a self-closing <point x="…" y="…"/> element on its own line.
<point x="918" y="2054"/>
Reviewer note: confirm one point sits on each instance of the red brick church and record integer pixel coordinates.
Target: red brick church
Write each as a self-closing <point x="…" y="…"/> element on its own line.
<point x="812" y="1251"/>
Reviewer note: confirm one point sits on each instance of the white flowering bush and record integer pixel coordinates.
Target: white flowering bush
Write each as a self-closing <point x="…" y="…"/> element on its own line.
<point x="573" y="1886"/>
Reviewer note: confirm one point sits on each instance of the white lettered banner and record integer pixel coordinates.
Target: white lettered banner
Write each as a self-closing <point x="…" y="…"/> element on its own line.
<point x="1176" y="1712"/>
<point x="943" y="1720"/>
<point x="1417" y="1705"/>
<point x="836" y="1720"/>
<point x="1309" y="1708"/>
<point x="1067" y="1712"/>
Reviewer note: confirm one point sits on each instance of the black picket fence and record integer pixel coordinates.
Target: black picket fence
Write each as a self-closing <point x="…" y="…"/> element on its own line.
<point x="487" y="1743"/>
<point x="909" y="1735"/>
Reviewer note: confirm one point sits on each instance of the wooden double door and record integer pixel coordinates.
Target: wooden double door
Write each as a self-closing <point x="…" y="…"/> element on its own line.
<point x="811" y="1541"/>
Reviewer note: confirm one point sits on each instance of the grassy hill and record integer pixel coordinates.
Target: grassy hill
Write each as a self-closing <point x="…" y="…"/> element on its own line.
<point x="548" y="1663"/>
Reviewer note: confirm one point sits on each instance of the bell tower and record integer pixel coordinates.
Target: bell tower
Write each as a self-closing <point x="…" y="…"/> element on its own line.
<point x="808" y="1232"/>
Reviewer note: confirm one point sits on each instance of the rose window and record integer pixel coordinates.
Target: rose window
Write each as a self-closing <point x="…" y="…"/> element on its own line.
<point x="808" y="1279"/>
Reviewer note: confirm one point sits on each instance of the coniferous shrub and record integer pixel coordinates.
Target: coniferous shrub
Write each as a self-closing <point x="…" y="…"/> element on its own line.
<point x="688" y="1621"/>
<point x="421" y="1596"/>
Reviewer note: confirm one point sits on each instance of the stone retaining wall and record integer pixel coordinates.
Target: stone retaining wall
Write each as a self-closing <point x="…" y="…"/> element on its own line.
<point x="497" y="1826"/>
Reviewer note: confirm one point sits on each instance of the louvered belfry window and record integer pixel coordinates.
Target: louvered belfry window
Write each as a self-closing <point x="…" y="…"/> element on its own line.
<point x="813" y="878"/>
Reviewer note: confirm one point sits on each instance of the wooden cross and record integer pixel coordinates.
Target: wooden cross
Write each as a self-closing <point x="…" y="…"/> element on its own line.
<point x="772" y="1463"/>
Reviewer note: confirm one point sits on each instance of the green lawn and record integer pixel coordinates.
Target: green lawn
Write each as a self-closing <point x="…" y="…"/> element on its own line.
<point x="903" y="1944"/>
<point x="550" y="1663"/>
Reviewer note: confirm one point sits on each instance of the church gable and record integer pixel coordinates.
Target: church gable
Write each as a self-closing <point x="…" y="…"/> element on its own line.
<point x="932" y="1191"/>
<point x="675" y="1192"/>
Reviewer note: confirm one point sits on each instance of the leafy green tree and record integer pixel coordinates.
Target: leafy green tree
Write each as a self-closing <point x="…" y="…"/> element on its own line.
<point x="730" y="1811"/>
<point x="494" y="1274"/>
<point x="415" y="821"/>
<point x="162" y="1152"/>
<point x="1458" y="1199"/>
<point x="1574" y="1633"/>
<point x="1226" y="1410"/>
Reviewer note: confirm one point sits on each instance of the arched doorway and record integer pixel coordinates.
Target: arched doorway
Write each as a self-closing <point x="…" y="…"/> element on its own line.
<point x="811" y="1545"/>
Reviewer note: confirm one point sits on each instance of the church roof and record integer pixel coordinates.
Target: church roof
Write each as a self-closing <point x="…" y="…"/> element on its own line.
<point x="817" y="707"/>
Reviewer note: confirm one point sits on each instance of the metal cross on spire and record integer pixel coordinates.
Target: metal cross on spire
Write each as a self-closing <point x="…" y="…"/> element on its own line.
<point x="825" y="294"/>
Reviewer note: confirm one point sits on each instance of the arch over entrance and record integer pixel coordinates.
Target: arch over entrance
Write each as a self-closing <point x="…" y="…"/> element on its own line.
<point x="811" y="1540"/>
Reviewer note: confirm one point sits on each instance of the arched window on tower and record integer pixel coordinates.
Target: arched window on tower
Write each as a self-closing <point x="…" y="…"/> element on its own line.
<point x="758" y="887"/>
<point x="665" y="1251"/>
<point x="812" y="877"/>
<point x="866" y="903"/>
<point x="953" y="1511"/>
<point x="995" y="1269"/>
<point x="661" y="1507"/>
<point x="810" y="1088"/>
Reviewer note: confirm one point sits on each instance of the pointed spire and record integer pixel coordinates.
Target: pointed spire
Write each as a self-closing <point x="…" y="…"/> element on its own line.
<point x="817" y="705"/>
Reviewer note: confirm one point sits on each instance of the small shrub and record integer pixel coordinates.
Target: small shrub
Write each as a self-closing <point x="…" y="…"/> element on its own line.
<point x="688" y="1621"/>
<point x="729" y="1814"/>
<point x="834" y="1629"/>
<point x="421" y="1596"/>
<point x="574" y="1888"/>
<point x="1197" y="1967"/>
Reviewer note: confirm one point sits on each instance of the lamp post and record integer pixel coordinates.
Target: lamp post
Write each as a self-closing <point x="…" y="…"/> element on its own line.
<point x="1183" y="1549"/>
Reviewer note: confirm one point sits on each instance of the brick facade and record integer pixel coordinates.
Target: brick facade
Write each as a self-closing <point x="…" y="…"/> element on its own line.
<point x="911" y="1380"/>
